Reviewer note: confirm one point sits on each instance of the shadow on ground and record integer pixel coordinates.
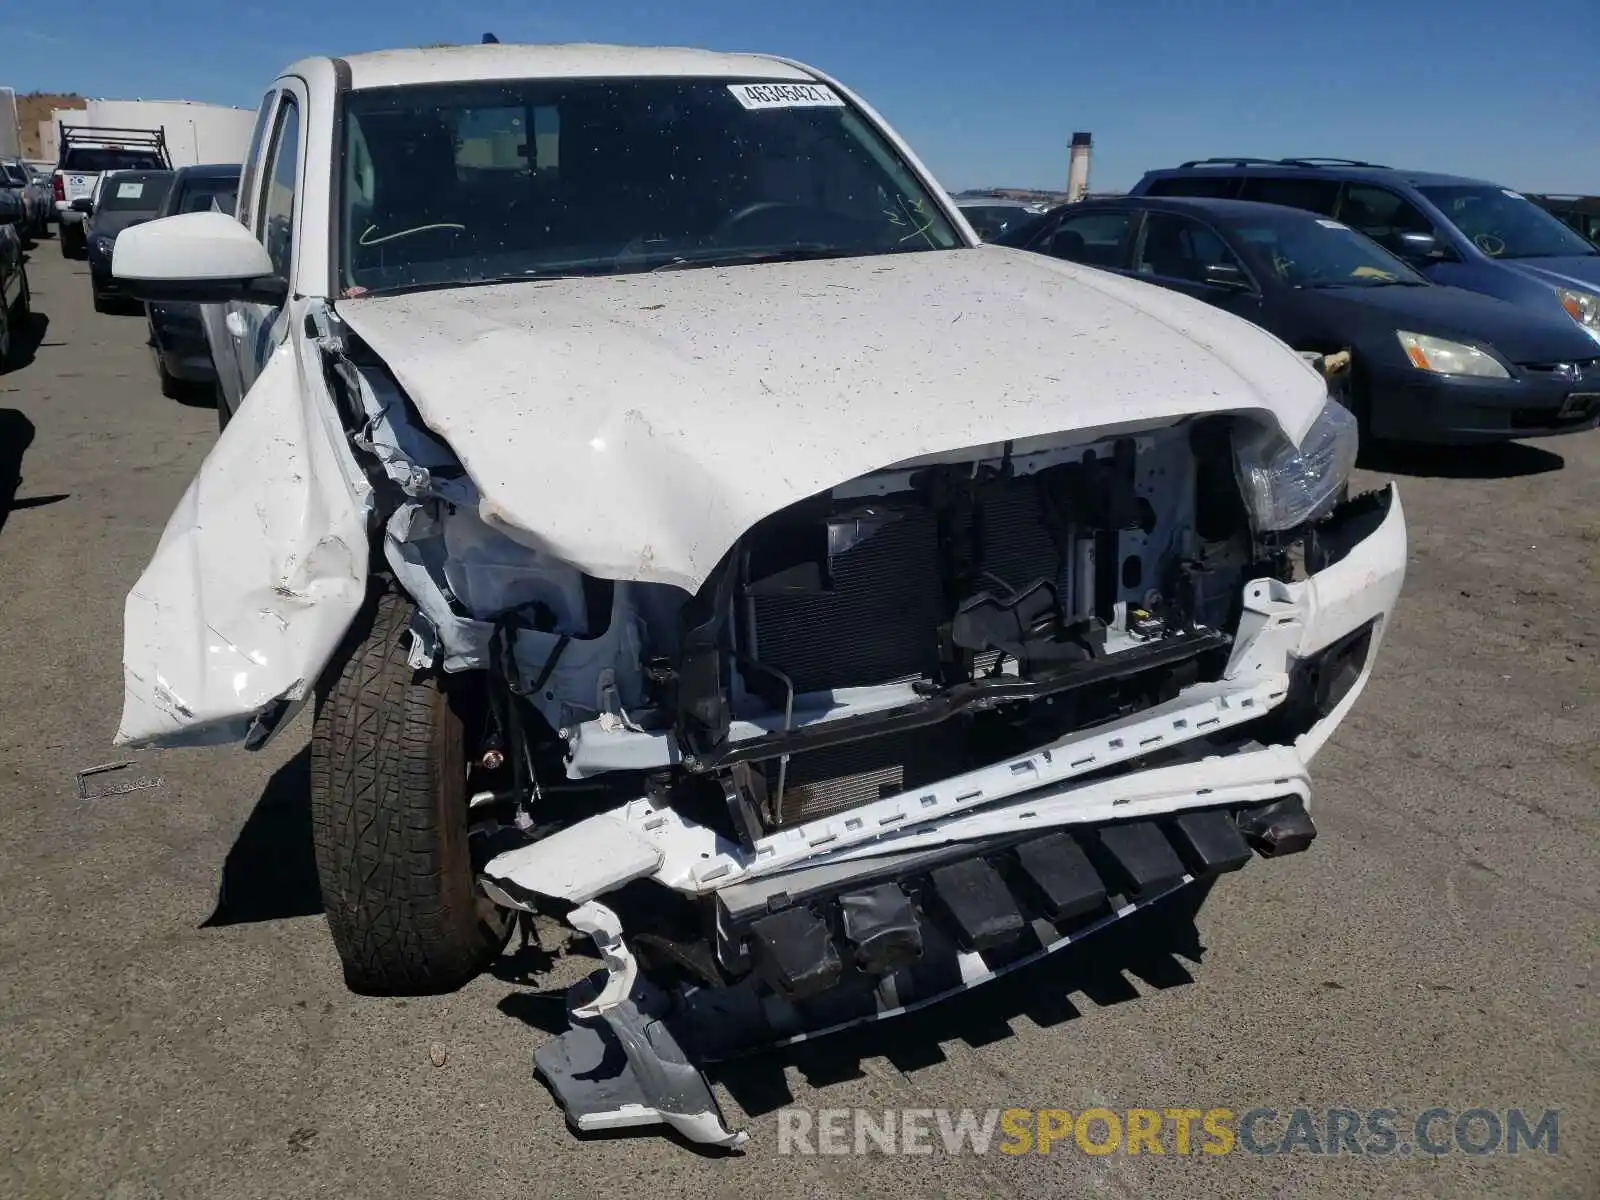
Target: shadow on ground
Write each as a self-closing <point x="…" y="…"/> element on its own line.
<point x="271" y="871"/>
<point x="26" y="337"/>
<point x="16" y="435"/>
<point x="1503" y="460"/>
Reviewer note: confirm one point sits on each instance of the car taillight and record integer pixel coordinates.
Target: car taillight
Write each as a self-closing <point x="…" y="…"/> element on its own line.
<point x="58" y="187"/>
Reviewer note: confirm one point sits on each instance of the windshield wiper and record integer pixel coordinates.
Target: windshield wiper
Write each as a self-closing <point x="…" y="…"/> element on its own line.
<point x="437" y="285"/>
<point x="739" y="258"/>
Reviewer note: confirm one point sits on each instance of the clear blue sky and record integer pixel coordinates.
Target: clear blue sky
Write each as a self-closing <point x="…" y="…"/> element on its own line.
<point x="987" y="93"/>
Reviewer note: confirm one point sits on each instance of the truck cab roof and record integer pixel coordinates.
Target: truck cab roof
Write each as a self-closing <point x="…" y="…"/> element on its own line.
<point x="452" y="64"/>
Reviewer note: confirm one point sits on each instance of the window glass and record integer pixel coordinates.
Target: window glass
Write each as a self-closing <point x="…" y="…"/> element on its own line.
<point x="1505" y="224"/>
<point x="1174" y="247"/>
<point x="460" y="183"/>
<point x="252" y="162"/>
<point x="989" y="221"/>
<point x="133" y="191"/>
<point x="1313" y="195"/>
<point x="1095" y="239"/>
<point x="1382" y="215"/>
<point x="277" y="212"/>
<point x="1314" y="252"/>
<point x="1218" y="187"/>
<point x="203" y="195"/>
<point x="88" y="159"/>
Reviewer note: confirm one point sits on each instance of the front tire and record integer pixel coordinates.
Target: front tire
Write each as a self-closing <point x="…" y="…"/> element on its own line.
<point x="389" y="819"/>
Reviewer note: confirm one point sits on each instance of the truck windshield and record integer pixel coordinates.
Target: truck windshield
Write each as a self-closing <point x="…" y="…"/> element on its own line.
<point x="456" y="184"/>
<point x="1503" y="224"/>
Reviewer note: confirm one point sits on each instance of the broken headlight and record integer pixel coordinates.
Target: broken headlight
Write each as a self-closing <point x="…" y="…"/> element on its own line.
<point x="1286" y="485"/>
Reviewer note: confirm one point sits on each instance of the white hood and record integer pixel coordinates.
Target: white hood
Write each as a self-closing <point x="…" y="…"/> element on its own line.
<point x="637" y="425"/>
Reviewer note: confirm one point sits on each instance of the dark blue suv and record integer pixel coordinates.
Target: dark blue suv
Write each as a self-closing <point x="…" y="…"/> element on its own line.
<point x="1462" y="232"/>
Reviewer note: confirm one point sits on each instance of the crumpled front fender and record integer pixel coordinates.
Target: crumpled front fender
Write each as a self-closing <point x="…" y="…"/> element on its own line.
<point x="258" y="573"/>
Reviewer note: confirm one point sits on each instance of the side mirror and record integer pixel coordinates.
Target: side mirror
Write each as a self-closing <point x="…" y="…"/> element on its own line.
<point x="1422" y="247"/>
<point x="83" y="204"/>
<point x="195" y="258"/>
<point x="1226" y="275"/>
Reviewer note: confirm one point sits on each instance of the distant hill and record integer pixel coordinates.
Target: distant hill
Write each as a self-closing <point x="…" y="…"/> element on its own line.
<point x="33" y="107"/>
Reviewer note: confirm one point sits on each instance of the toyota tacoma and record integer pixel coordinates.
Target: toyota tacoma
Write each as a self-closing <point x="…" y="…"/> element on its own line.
<point x="682" y="525"/>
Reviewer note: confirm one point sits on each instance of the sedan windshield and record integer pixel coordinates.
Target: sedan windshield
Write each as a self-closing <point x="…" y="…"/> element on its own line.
<point x="1314" y="252"/>
<point x="1503" y="224"/>
<point x="455" y="184"/>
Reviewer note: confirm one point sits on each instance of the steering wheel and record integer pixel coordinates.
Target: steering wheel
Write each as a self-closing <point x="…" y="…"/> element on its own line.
<point x="756" y="209"/>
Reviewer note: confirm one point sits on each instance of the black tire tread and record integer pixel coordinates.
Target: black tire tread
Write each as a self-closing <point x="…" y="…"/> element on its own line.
<point x="388" y="808"/>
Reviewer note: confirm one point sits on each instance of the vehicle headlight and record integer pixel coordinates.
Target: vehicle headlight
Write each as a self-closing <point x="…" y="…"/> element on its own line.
<point x="1582" y="307"/>
<point x="1285" y="485"/>
<point x="104" y="245"/>
<point x="1449" y="358"/>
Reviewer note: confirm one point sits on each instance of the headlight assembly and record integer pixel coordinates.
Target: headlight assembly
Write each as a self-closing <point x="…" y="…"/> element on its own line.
<point x="104" y="245"/>
<point x="1582" y="307"/>
<point x="1449" y="358"/>
<point x="1284" y="485"/>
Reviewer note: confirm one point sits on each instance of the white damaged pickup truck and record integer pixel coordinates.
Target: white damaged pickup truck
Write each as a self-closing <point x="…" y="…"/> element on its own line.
<point x="684" y="527"/>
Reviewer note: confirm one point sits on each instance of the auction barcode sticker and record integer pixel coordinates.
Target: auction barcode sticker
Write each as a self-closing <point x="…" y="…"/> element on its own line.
<point x="785" y="95"/>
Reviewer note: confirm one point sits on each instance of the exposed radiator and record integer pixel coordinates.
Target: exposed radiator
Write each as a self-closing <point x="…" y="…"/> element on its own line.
<point x="821" y="782"/>
<point x="877" y="624"/>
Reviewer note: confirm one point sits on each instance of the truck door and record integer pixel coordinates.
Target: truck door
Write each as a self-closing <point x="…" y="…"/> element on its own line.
<point x="267" y="207"/>
<point x="215" y="316"/>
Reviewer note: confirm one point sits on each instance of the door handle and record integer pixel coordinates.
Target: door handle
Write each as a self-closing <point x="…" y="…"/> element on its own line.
<point x="236" y="325"/>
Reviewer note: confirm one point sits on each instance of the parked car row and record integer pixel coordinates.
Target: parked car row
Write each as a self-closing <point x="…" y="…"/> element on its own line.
<point x="14" y="296"/>
<point x="1470" y="313"/>
<point x="123" y="199"/>
<point x="18" y="179"/>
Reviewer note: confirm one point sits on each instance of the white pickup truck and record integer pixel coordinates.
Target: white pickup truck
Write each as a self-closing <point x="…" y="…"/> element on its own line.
<point x="684" y="526"/>
<point x="86" y="152"/>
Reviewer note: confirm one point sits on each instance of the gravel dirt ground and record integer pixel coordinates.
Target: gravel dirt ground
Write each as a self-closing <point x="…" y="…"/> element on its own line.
<point x="173" y="1020"/>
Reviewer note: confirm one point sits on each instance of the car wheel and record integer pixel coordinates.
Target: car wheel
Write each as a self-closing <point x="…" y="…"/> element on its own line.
<point x="389" y="817"/>
<point x="66" y="243"/>
<point x="223" y="415"/>
<point x="5" y="337"/>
